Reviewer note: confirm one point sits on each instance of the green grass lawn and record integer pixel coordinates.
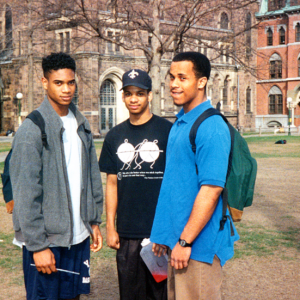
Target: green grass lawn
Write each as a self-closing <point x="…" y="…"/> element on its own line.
<point x="265" y="147"/>
<point x="255" y="240"/>
<point x="5" y="147"/>
<point x="271" y="139"/>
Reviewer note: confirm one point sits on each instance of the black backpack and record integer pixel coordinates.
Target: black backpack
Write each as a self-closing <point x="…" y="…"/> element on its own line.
<point x="241" y="174"/>
<point x="36" y="117"/>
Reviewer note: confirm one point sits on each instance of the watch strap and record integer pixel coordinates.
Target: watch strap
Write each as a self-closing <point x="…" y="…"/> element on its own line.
<point x="183" y="243"/>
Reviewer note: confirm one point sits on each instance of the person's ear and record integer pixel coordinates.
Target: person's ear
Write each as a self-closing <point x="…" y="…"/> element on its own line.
<point x="150" y="96"/>
<point x="45" y="83"/>
<point x="202" y="83"/>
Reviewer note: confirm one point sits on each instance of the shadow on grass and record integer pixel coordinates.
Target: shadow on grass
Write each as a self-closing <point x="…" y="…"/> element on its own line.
<point x="255" y="240"/>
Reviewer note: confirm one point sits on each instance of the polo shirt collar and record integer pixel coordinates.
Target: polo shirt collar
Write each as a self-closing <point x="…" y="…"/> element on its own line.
<point x="195" y="112"/>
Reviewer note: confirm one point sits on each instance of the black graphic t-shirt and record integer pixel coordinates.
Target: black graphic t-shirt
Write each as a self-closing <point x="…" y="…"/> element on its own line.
<point x="137" y="155"/>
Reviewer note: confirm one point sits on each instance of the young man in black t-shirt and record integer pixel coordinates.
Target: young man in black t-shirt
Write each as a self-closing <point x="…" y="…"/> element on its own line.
<point x="133" y="156"/>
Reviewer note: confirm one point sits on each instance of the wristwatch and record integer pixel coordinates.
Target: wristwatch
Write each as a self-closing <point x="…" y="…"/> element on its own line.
<point x="183" y="243"/>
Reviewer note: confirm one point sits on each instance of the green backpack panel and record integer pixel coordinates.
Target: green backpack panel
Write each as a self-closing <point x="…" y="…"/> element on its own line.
<point x="241" y="174"/>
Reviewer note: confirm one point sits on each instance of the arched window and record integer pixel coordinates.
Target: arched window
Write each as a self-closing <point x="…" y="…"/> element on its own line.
<point x="271" y="5"/>
<point x="112" y="6"/>
<point x="269" y="37"/>
<point x="297" y="32"/>
<point x="248" y="34"/>
<point x="221" y="58"/>
<point x="107" y="93"/>
<point x="8" y="28"/>
<point x="275" y="4"/>
<point x="227" y="55"/>
<point x="275" y="66"/>
<point x="272" y="124"/>
<point x="281" y="36"/>
<point x="224" y="21"/>
<point x="225" y="91"/>
<point x="248" y="100"/>
<point x="275" y="101"/>
<point x="107" y="103"/>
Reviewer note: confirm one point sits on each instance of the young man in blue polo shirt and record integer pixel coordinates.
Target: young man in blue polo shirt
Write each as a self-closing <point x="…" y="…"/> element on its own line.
<point x="189" y="208"/>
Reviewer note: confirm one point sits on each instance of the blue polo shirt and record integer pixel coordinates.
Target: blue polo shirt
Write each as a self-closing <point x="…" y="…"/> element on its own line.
<point x="181" y="184"/>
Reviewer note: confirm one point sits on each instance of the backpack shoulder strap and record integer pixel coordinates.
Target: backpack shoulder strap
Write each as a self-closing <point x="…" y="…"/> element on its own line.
<point x="6" y="183"/>
<point x="192" y="136"/>
<point x="6" y="162"/>
<point x="206" y="114"/>
<point x="36" y="117"/>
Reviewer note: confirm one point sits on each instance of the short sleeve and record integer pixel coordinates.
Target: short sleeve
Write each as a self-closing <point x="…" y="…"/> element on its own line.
<point x="108" y="157"/>
<point x="212" y="153"/>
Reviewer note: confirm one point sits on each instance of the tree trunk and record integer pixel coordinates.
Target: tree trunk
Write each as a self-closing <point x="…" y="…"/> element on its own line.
<point x="156" y="84"/>
<point x="156" y="61"/>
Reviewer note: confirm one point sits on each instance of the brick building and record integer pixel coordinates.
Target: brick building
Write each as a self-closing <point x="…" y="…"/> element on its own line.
<point x="278" y="60"/>
<point x="101" y="64"/>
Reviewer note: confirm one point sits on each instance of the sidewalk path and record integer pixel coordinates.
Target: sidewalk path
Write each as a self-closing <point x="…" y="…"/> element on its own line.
<point x="6" y="139"/>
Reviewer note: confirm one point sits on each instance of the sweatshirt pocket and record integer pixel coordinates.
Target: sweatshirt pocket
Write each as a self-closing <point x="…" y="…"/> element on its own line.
<point x="56" y="224"/>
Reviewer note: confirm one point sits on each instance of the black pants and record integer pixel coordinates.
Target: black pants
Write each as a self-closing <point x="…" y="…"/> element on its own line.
<point x="135" y="280"/>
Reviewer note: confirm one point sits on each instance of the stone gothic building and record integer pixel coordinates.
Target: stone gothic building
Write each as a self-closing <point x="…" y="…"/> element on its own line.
<point x="278" y="60"/>
<point x="25" y="39"/>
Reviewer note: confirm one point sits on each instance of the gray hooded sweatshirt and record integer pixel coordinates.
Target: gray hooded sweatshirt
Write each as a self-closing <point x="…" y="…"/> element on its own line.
<point x="43" y="210"/>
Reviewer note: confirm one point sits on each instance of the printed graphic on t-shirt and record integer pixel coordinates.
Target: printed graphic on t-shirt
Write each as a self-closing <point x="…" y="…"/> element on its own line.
<point x="143" y="152"/>
<point x="134" y="158"/>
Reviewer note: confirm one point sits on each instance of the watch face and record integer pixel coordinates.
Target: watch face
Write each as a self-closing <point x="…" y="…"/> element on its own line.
<point x="182" y="243"/>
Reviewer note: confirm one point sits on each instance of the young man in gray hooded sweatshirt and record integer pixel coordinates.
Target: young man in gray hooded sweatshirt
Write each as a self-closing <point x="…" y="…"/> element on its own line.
<point x="57" y="190"/>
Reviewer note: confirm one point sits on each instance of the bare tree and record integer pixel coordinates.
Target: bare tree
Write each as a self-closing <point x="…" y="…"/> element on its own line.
<point x="155" y="28"/>
<point x="158" y="28"/>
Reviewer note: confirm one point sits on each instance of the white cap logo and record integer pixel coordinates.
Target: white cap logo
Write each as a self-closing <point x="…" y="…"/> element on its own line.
<point x="133" y="74"/>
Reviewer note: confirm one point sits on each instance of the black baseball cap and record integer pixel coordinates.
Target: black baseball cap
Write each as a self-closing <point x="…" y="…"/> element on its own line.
<point x="137" y="77"/>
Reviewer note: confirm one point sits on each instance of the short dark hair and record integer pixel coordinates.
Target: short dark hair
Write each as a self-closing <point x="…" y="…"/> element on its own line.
<point x="201" y="63"/>
<point x="57" y="61"/>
